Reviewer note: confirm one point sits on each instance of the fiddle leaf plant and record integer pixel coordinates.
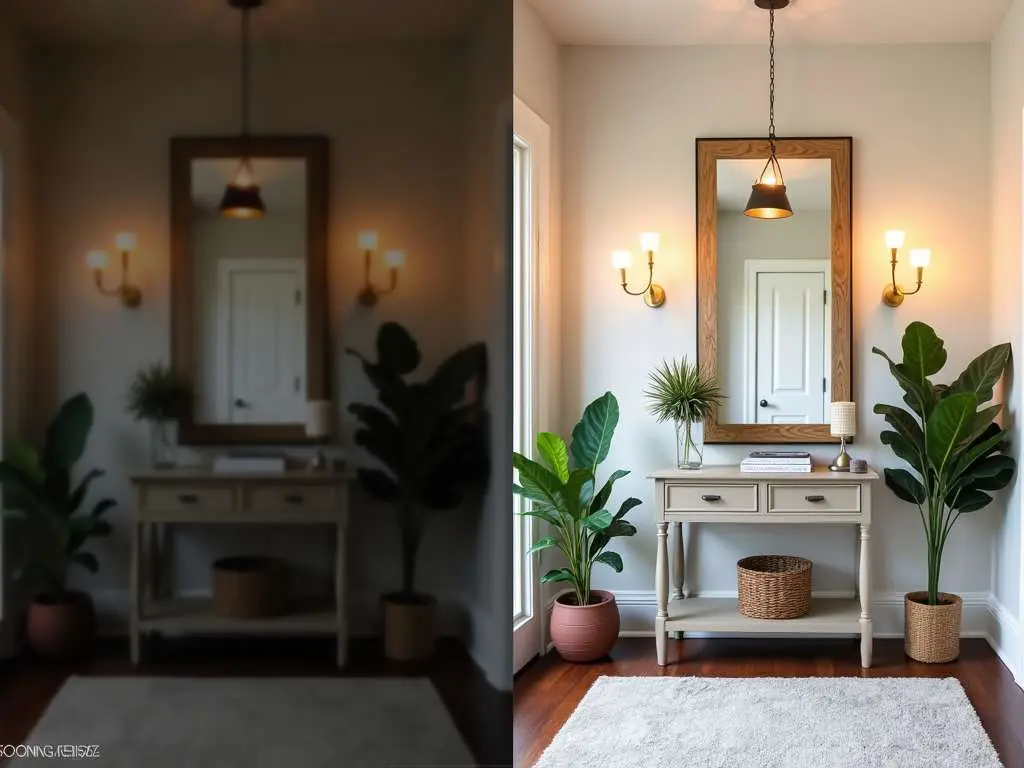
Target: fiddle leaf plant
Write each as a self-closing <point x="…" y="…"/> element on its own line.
<point x="561" y="489"/>
<point x="948" y="437"/>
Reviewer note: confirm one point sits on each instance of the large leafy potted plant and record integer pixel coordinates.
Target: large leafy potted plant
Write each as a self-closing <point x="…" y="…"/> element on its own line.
<point x="683" y="393"/>
<point x="50" y="531"/>
<point x="431" y="441"/>
<point x="158" y="396"/>
<point x="562" y="489"/>
<point x="958" y="456"/>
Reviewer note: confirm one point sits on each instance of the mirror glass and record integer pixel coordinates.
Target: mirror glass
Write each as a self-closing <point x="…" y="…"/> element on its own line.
<point x="774" y="280"/>
<point x="249" y="295"/>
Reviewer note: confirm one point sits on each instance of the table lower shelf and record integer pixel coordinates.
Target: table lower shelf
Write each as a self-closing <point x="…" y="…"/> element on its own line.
<point x="188" y="615"/>
<point x="721" y="614"/>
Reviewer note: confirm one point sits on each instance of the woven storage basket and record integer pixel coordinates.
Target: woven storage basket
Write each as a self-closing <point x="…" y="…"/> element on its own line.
<point x="932" y="632"/>
<point x="774" y="586"/>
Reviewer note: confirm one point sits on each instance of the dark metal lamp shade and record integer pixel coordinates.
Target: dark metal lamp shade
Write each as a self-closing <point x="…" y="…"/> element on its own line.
<point x="768" y="201"/>
<point x="242" y="202"/>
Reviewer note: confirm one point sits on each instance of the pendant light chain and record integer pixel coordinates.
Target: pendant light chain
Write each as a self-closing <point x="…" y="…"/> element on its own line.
<point x="771" y="79"/>
<point x="245" y="71"/>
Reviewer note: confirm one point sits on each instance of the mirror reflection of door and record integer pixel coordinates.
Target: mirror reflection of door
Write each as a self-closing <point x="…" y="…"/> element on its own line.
<point x="774" y="315"/>
<point x="250" y="304"/>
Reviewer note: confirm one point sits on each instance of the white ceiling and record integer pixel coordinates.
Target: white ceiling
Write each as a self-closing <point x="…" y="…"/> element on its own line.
<point x="807" y="183"/>
<point x="179" y="21"/>
<point x="282" y="182"/>
<point x="725" y="22"/>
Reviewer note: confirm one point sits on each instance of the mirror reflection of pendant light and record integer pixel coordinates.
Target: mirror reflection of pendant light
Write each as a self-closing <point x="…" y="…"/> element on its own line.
<point x="768" y="195"/>
<point x="241" y="198"/>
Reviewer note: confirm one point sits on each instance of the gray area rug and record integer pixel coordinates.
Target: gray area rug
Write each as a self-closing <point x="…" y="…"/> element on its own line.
<point x="772" y="723"/>
<point x="158" y="722"/>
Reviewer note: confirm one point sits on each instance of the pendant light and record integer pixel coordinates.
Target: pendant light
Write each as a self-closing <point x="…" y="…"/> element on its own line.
<point x="241" y="198"/>
<point x="768" y="195"/>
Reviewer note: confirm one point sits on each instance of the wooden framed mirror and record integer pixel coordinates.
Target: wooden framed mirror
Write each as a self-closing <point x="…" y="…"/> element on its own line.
<point x="774" y="310"/>
<point x="249" y="293"/>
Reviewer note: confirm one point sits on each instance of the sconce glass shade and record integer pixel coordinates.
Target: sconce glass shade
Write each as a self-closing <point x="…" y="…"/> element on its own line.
<point x="368" y="240"/>
<point x="650" y="241"/>
<point x="97" y="259"/>
<point x="920" y="257"/>
<point x="621" y="259"/>
<point x="125" y="241"/>
<point x="395" y="259"/>
<point x="894" y="238"/>
<point x="241" y="198"/>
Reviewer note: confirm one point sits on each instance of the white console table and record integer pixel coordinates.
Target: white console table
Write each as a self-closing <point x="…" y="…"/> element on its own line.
<point x="198" y="497"/>
<point x="723" y="494"/>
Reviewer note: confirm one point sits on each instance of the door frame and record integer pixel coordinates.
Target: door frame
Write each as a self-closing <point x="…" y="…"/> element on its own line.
<point x="751" y="269"/>
<point x="528" y="634"/>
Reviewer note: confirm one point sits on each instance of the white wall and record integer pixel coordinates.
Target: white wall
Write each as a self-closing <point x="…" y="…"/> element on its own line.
<point x="1005" y="307"/>
<point x="396" y="119"/>
<point x="740" y="239"/>
<point x="919" y="117"/>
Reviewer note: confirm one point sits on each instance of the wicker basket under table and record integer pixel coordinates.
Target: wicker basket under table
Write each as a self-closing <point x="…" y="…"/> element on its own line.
<point x="774" y="586"/>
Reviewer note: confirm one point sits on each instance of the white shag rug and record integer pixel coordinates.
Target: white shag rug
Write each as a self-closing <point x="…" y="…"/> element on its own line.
<point x="165" y="722"/>
<point x="651" y="722"/>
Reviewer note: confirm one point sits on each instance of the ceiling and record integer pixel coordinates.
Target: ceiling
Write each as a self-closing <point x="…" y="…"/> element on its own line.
<point x="726" y="22"/>
<point x="282" y="182"/>
<point x="187" y="21"/>
<point x="807" y="183"/>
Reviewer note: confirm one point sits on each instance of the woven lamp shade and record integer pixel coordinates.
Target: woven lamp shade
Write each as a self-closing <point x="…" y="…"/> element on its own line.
<point x="843" y="419"/>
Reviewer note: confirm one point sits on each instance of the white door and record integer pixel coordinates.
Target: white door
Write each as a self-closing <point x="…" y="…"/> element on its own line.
<point x="790" y="385"/>
<point x="263" y="340"/>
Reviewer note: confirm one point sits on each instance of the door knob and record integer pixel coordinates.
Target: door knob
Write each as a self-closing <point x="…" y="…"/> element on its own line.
<point x="764" y="403"/>
<point x="240" y="403"/>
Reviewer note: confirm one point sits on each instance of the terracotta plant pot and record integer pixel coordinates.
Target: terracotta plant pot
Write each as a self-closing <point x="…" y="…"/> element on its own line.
<point x="932" y="632"/>
<point x="584" y="633"/>
<point x="61" y="628"/>
<point x="409" y="626"/>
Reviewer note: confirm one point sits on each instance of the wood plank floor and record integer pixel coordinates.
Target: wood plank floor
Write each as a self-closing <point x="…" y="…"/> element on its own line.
<point x="548" y="689"/>
<point x="482" y="714"/>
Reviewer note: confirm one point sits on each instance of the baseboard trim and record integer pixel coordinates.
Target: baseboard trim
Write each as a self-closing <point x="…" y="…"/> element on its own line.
<point x="1006" y="636"/>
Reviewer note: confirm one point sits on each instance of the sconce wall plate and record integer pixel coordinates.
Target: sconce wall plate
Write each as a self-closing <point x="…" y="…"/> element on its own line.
<point x="654" y="297"/>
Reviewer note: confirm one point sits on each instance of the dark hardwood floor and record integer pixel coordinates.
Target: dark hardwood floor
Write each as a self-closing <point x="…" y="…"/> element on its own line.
<point x="548" y="689"/>
<point x="482" y="714"/>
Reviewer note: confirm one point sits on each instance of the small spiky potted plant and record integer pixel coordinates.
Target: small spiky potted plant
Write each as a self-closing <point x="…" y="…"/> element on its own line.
<point x="158" y="396"/>
<point x="682" y="392"/>
<point x="49" y="533"/>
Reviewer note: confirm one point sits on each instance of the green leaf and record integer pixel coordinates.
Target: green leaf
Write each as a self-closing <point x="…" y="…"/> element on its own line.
<point x="989" y="474"/>
<point x="558" y="574"/>
<point x="27" y="459"/>
<point x="380" y="435"/>
<point x="68" y="433"/>
<point x="542" y="512"/>
<point x="620" y="528"/>
<point x="627" y="505"/>
<point x="592" y="437"/>
<point x="905" y="486"/>
<point x="614" y="559"/>
<point x="904" y="423"/>
<point x="921" y="395"/>
<point x="396" y="349"/>
<point x="902" y="448"/>
<point x="599" y="520"/>
<point x="102" y="506"/>
<point x="982" y="373"/>
<point x="87" y="560"/>
<point x="971" y="500"/>
<point x="78" y="495"/>
<point x="991" y="440"/>
<point x="538" y="482"/>
<point x="923" y="351"/>
<point x="949" y="424"/>
<point x="546" y="543"/>
<point x="606" y="490"/>
<point x="448" y="383"/>
<point x="553" y="450"/>
<point x="379" y="484"/>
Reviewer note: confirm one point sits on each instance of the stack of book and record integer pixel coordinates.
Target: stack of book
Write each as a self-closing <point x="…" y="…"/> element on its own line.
<point x="776" y="461"/>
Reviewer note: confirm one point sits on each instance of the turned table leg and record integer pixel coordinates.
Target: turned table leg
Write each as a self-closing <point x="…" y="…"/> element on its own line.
<point x="678" y="567"/>
<point x="661" y="581"/>
<point x="864" y="588"/>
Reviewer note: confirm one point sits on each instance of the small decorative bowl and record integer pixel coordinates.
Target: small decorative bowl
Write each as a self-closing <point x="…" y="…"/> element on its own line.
<point x="858" y="465"/>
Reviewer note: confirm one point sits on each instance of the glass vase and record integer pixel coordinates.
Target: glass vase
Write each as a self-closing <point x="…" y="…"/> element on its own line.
<point x="163" y="443"/>
<point x="689" y="444"/>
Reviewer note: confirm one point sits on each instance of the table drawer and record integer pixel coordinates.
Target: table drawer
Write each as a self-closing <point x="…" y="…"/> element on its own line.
<point x="723" y="498"/>
<point x="813" y="498"/>
<point x="182" y="498"/>
<point x="279" y="498"/>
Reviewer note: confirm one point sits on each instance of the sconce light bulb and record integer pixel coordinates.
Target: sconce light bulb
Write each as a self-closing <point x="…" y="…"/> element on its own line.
<point x="368" y="240"/>
<point x="894" y="238"/>
<point x="621" y="259"/>
<point x="920" y="258"/>
<point x="97" y="259"/>
<point x="650" y="241"/>
<point x="125" y="241"/>
<point x="395" y="259"/>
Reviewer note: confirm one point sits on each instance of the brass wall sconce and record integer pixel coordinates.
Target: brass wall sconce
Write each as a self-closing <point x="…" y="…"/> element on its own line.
<point x="394" y="260"/>
<point x="892" y="294"/>
<point x="654" y="294"/>
<point x="129" y="294"/>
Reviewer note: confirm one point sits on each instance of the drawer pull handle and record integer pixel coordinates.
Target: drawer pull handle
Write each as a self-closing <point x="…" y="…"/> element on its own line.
<point x="710" y="497"/>
<point x="187" y="498"/>
<point x="815" y="498"/>
<point x="293" y="498"/>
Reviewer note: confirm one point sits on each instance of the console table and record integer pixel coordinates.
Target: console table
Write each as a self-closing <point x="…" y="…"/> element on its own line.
<point x="724" y="494"/>
<point x="198" y="497"/>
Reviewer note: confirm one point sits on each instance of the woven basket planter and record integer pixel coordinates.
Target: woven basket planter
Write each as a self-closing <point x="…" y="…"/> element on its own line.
<point x="932" y="632"/>
<point x="774" y="586"/>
